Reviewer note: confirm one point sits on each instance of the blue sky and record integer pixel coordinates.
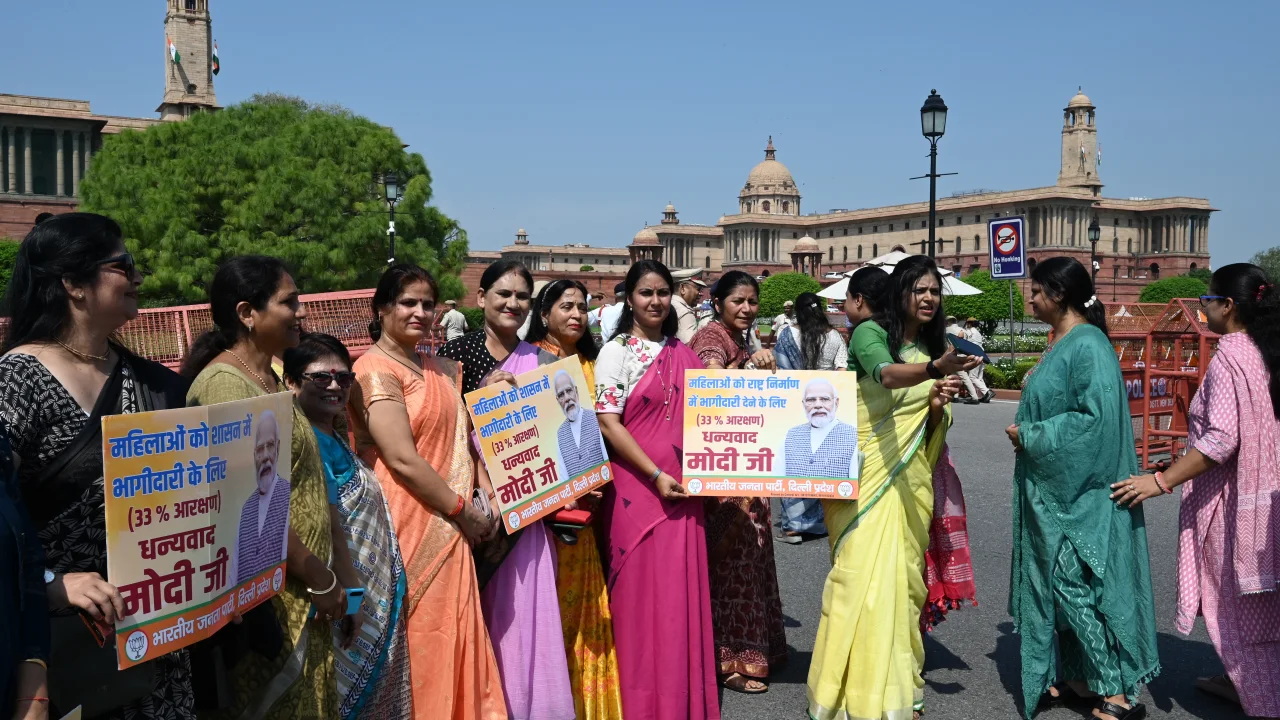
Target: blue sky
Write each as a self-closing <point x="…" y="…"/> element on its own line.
<point x="580" y="121"/>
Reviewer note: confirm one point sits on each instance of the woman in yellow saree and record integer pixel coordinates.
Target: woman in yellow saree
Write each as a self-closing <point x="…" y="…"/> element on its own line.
<point x="559" y="326"/>
<point x="869" y="653"/>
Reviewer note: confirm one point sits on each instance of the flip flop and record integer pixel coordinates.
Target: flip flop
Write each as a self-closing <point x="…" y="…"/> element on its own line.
<point x="1219" y="686"/>
<point x="737" y="682"/>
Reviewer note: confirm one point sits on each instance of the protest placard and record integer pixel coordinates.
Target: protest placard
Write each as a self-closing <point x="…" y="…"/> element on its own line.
<point x="540" y="441"/>
<point x="197" y="508"/>
<point x="764" y="434"/>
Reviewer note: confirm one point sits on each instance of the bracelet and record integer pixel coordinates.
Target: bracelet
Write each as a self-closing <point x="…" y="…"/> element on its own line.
<point x="37" y="661"/>
<point x="653" y="476"/>
<point x="329" y="589"/>
<point x="933" y="370"/>
<point x="457" y="509"/>
<point x="34" y="699"/>
<point x="1159" y="476"/>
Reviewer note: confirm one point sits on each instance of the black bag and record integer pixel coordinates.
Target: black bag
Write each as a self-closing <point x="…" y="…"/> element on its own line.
<point x="82" y="665"/>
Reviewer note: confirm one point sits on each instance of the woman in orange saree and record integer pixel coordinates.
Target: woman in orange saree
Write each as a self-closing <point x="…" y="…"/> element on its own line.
<point x="411" y="426"/>
<point x="559" y="326"/>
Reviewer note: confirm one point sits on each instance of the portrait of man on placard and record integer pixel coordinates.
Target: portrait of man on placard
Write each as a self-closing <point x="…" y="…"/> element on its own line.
<point x="581" y="446"/>
<point x="264" y="521"/>
<point x="824" y="446"/>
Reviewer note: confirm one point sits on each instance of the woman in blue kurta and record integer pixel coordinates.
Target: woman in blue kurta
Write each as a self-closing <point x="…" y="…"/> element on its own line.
<point x="1079" y="561"/>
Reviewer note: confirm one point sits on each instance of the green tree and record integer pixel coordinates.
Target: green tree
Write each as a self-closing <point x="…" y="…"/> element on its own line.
<point x="1204" y="275"/>
<point x="8" y="255"/>
<point x="1162" y="291"/>
<point x="273" y="176"/>
<point x="1269" y="260"/>
<point x="586" y="268"/>
<point x="991" y="307"/>
<point x="777" y="289"/>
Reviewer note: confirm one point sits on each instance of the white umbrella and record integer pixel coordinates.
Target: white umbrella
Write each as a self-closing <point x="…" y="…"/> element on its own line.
<point x="951" y="285"/>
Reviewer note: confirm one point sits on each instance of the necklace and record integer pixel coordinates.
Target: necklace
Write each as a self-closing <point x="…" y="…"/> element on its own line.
<point x="265" y="386"/>
<point x="416" y="369"/>
<point x="669" y="386"/>
<point x="84" y="355"/>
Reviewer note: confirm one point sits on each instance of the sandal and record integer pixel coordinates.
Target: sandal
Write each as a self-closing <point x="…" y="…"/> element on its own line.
<point x="738" y="682"/>
<point x="1219" y="686"/>
<point x="1119" y="712"/>
<point x="1066" y="697"/>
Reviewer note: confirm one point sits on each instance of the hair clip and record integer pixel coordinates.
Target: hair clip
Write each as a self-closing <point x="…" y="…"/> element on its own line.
<point x="1262" y="290"/>
<point x="1092" y="299"/>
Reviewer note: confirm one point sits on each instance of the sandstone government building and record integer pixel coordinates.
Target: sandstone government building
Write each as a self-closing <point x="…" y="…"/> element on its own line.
<point x="47" y="146"/>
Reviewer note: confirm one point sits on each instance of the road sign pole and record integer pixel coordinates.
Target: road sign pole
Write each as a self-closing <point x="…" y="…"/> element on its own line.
<point x="1013" y="344"/>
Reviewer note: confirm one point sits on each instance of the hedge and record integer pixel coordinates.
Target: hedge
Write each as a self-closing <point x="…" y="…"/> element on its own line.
<point x="8" y="254"/>
<point x="474" y="316"/>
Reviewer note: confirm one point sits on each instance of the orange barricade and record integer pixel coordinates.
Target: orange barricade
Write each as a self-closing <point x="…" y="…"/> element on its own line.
<point x="166" y="334"/>
<point x="1176" y="353"/>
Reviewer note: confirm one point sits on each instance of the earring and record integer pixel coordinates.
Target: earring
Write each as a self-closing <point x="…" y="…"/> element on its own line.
<point x="79" y="296"/>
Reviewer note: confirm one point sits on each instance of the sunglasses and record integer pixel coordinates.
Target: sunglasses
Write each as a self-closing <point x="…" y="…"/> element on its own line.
<point x="121" y="263"/>
<point x="1206" y="299"/>
<point x="344" y="378"/>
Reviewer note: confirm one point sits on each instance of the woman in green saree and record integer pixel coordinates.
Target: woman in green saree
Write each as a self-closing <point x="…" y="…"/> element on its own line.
<point x="869" y="653"/>
<point x="1079" y="561"/>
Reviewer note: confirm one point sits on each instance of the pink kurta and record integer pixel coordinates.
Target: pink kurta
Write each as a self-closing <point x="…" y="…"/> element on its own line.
<point x="1226" y="524"/>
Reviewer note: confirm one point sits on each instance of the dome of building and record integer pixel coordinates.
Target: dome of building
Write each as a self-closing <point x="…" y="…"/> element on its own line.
<point x="647" y="236"/>
<point x="806" y="244"/>
<point x="769" y="174"/>
<point x="669" y="208"/>
<point x="1080" y="100"/>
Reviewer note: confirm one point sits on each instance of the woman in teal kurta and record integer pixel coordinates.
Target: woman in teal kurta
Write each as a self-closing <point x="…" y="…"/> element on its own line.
<point x="1079" y="561"/>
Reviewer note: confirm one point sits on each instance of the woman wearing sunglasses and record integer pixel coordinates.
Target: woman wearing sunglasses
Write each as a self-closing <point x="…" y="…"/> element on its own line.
<point x="373" y="674"/>
<point x="411" y="425"/>
<point x="1229" y="546"/>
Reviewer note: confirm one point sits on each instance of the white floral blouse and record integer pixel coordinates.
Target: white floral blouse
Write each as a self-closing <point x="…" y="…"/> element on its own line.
<point x="621" y="365"/>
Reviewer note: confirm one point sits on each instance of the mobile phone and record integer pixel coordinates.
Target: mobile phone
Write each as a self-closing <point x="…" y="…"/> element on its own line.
<point x="355" y="598"/>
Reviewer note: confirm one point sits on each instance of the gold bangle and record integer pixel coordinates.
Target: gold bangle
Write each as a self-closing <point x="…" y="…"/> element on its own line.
<point x="37" y="661"/>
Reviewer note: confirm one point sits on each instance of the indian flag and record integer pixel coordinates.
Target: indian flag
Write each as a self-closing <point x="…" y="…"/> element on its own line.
<point x="173" y="51"/>
<point x="216" y="65"/>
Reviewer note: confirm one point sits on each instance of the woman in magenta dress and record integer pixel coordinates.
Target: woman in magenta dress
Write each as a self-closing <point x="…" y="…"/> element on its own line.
<point x="656" y="547"/>
<point x="1229" y="545"/>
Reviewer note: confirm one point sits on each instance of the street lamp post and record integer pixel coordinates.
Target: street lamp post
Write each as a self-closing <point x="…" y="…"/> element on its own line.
<point x="933" y="123"/>
<point x="1094" y="233"/>
<point x="394" y="191"/>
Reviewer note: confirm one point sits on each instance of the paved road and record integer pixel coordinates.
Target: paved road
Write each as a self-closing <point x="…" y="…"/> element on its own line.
<point x="971" y="666"/>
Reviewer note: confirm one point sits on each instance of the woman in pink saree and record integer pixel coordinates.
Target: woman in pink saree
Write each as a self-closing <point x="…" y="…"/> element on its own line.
<point x="656" y="547"/>
<point x="517" y="573"/>
<point x="1229" y="523"/>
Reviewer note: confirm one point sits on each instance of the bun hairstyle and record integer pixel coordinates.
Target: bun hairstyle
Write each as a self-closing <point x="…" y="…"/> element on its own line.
<point x="60" y="247"/>
<point x="313" y="347"/>
<point x="874" y="286"/>
<point x="551" y="293"/>
<point x="814" y="327"/>
<point x="244" y="278"/>
<point x="626" y="321"/>
<point x="1258" y="304"/>
<point x="893" y="315"/>
<point x="1066" y="282"/>
<point x="391" y="284"/>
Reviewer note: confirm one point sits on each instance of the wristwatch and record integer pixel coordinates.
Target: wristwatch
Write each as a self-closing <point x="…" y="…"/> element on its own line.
<point x="49" y="576"/>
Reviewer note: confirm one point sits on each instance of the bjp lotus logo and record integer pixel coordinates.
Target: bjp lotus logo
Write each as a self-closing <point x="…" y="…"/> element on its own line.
<point x="135" y="648"/>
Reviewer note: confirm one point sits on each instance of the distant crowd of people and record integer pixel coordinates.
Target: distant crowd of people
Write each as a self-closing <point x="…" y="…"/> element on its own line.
<point x="655" y="599"/>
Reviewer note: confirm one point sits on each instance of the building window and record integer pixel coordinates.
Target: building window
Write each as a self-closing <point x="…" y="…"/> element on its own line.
<point x="1130" y="245"/>
<point x="1115" y="244"/>
<point x="846" y="253"/>
<point x="765" y="206"/>
<point x="844" y="232"/>
<point x="942" y="221"/>
<point x="191" y="5"/>
<point x="786" y="206"/>
<point x="859" y="229"/>
<point x="977" y="218"/>
<point x="977" y="242"/>
<point x="795" y="235"/>
<point x="974" y="268"/>
<point x="959" y="219"/>
<point x="955" y="270"/>
<point x="708" y="265"/>
<point x="1130" y="222"/>
<point x="876" y="228"/>
<point x="1117" y="223"/>
<point x="859" y="252"/>
<point x="875" y="250"/>
<point x="924" y="224"/>
<point x="890" y="227"/>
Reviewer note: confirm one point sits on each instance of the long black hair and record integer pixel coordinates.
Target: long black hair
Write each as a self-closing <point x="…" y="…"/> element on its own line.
<point x="873" y="284"/>
<point x="547" y="299"/>
<point x="814" y="327"/>
<point x="892" y="316"/>
<point x="1066" y="282"/>
<point x="313" y="347"/>
<point x="725" y="286"/>
<point x="245" y="278"/>
<point x="67" y="247"/>
<point x="1258" y="303"/>
<point x="391" y="284"/>
<point x="638" y="270"/>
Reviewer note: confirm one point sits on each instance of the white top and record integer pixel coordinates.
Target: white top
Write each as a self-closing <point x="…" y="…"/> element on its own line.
<point x="609" y="321"/>
<point x="956" y="330"/>
<point x="454" y="324"/>
<point x="834" y="354"/>
<point x="687" y="319"/>
<point x="621" y="365"/>
<point x="780" y="321"/>
<point x="974" y="335"/>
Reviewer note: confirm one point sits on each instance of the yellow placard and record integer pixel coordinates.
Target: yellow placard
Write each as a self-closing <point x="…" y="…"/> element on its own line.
<point x="764" y="434"/>
<point x="197" y="510"/>
<point x="540" y="441"/>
